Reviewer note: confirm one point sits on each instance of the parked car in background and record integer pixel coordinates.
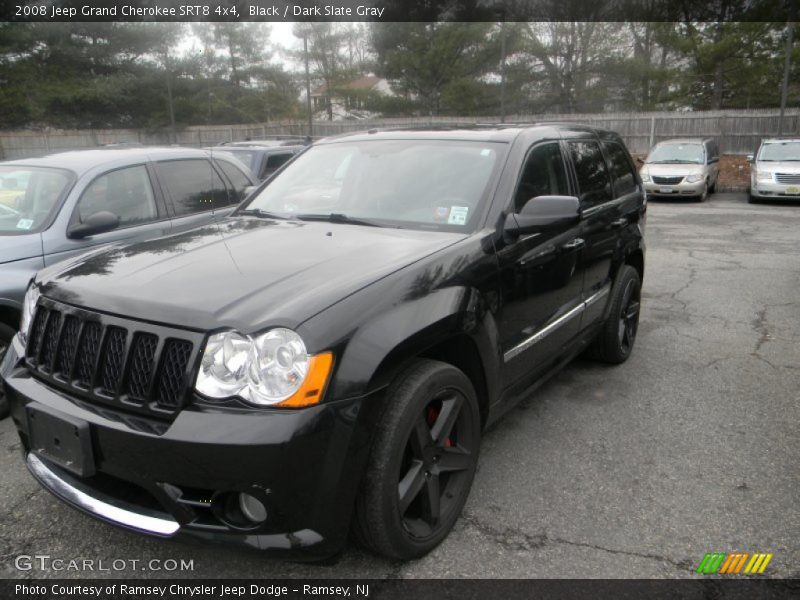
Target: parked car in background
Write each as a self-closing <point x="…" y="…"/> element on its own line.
<point x="775" y="170"/>
<point x="682" y="167"/>
<point x="264" y="157"/>
<point x="57" y="206"/>
<point x="270" y="379"/>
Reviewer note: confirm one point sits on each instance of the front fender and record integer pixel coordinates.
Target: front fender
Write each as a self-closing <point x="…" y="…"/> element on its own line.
<point x="382" y="345"/>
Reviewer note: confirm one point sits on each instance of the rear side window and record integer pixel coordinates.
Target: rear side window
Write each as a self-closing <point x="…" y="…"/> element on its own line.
<point x="594" y="184"/>
<point x="622" y="173"/>
<point x="125" y="192"/>
<point x="238" y="180"/>
<point x="193" y="185"/>
<point x="273" y="163"/>
<point x="543" y="175"/>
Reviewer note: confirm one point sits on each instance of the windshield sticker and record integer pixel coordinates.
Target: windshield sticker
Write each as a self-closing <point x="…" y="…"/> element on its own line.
<point x="458" y="215"/>
<point x="24" y="223"/>
<point x="441" y="212"/>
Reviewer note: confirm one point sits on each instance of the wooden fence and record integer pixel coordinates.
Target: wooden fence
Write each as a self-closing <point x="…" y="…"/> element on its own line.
<point x="738" y="132"/>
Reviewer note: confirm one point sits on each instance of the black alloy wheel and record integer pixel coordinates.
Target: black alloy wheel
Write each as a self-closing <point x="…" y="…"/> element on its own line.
<point x="614" y="341"/>
<point x="422" y="461"/>
<point x="629" y="316"/>
<point x="436" y="464"/>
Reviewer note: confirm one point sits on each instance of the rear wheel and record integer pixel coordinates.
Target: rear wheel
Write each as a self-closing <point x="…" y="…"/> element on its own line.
<point x="6" y="335"/>
<point x="614" y="342"/>
<point x="422" y="462"/>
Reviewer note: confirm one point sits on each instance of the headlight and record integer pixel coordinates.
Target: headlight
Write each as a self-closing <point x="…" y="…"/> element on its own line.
<point x="645" y="177"/>
<point x="28" y="308"/>
<point x="694" y="177"/>
<point x="764" y="176"/>
<point x="272" y="369"/>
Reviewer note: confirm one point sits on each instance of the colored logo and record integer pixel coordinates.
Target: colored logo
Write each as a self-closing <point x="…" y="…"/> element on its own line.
<point x="734" y="563"/>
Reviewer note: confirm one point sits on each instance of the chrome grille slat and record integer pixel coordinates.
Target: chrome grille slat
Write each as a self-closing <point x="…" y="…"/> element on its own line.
<point x="667" y="180"/>
<point x="787" y="177"/>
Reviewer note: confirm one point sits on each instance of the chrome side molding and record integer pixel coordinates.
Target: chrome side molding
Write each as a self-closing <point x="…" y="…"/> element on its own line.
<point x="71" y="490"/>
<point x="550" y="328"/>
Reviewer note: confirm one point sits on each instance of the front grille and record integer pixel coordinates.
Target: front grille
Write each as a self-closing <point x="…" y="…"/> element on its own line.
<point x="667" y="180"/>
<point x="112" y="361"/>
<point x="787" y="177"/>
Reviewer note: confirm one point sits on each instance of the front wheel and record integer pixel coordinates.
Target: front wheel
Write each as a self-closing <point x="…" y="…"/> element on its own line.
<point x="614" y="342"/>
<point x="422" y="461"/>
<point x="704" y="194"/>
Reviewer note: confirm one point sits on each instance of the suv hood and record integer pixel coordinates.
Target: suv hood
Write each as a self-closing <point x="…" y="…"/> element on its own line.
<point x="243" y="273"/>
<point x="19" y="247"/>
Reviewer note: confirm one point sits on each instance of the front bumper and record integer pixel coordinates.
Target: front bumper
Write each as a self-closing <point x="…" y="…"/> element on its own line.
<point x="176" y="479"/>
<point x="675" y="190"/>
<point x="774" y="190"/>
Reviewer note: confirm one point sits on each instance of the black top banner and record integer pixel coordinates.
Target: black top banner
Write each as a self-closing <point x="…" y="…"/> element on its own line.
<point x="396" y="10"/>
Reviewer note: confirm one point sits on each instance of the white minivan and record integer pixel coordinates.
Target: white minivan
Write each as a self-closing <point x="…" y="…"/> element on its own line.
<point x="681" y="167"/>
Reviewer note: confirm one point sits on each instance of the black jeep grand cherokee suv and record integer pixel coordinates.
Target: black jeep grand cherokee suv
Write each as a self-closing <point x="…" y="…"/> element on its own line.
<point x="328" y="357"/>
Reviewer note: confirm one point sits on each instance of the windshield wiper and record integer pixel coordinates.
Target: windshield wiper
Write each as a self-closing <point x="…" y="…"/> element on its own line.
<point x="336" y="218"/>
<point x="257" y="212"/>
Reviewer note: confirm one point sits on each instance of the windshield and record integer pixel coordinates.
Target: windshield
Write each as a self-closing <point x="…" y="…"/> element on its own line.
<point x="775" y="151"/>
<point x="424" y="184"/>
<point x="677" y="153"/>
<point x="248" y="157"/>
<point x="28" y="195"/>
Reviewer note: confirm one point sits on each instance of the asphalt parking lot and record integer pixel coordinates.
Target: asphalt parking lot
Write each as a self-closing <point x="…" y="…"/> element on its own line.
<point x="690" y="447"/>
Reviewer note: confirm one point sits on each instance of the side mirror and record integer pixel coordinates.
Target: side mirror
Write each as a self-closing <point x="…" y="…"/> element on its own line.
<point x="248" y="190"/>
<point x="750" y="158"/>
<point x="98" y="222"/>
<point x="544" y="213"/>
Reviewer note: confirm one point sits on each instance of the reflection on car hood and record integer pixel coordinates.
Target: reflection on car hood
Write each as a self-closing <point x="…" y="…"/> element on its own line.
<point x="788" y="166"/>
<point x="19" y="247"/>
<point x="671" y="169"/>
<point x="245" y="273"/>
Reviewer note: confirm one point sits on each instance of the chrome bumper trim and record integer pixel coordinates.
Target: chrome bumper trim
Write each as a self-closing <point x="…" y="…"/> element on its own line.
<point x="71" y="490"/>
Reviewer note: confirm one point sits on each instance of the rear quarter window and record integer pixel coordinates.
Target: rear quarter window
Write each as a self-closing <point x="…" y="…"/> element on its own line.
<point x="192" y="185"/>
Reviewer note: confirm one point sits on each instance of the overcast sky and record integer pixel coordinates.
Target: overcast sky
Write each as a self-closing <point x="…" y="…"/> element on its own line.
<point x="280" y="36"/>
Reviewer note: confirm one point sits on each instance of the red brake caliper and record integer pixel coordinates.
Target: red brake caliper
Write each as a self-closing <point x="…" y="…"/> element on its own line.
<point x="431" y="419"/>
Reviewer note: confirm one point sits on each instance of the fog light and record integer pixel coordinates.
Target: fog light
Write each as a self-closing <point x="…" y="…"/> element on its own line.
<point x="252" y="508"/>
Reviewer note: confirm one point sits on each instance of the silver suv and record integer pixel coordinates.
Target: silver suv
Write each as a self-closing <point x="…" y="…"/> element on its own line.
<point x="682" y="167"/>
<point x="55" y="207"/>
<point x="775" y="170"/>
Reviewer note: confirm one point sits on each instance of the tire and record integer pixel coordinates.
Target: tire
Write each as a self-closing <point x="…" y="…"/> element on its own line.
<point x="704" y="196"/>
<point x="6" y="334"/>
<point x="713" y="188"/>
<point x="422" y="462"/>
<point x="614" y="342"/>
<point x="753" y="200"/>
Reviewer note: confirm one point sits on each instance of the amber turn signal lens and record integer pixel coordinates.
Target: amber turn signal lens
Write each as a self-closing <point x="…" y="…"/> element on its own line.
<point x="319" y="369"/>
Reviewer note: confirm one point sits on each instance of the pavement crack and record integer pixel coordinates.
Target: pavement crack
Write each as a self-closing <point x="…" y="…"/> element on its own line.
<point x="516" y="540"/>
<point x="761" y="327"/>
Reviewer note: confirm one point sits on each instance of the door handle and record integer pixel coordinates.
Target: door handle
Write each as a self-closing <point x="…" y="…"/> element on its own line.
<point x="619" y="222"/>
<point x="574" y="244"/>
